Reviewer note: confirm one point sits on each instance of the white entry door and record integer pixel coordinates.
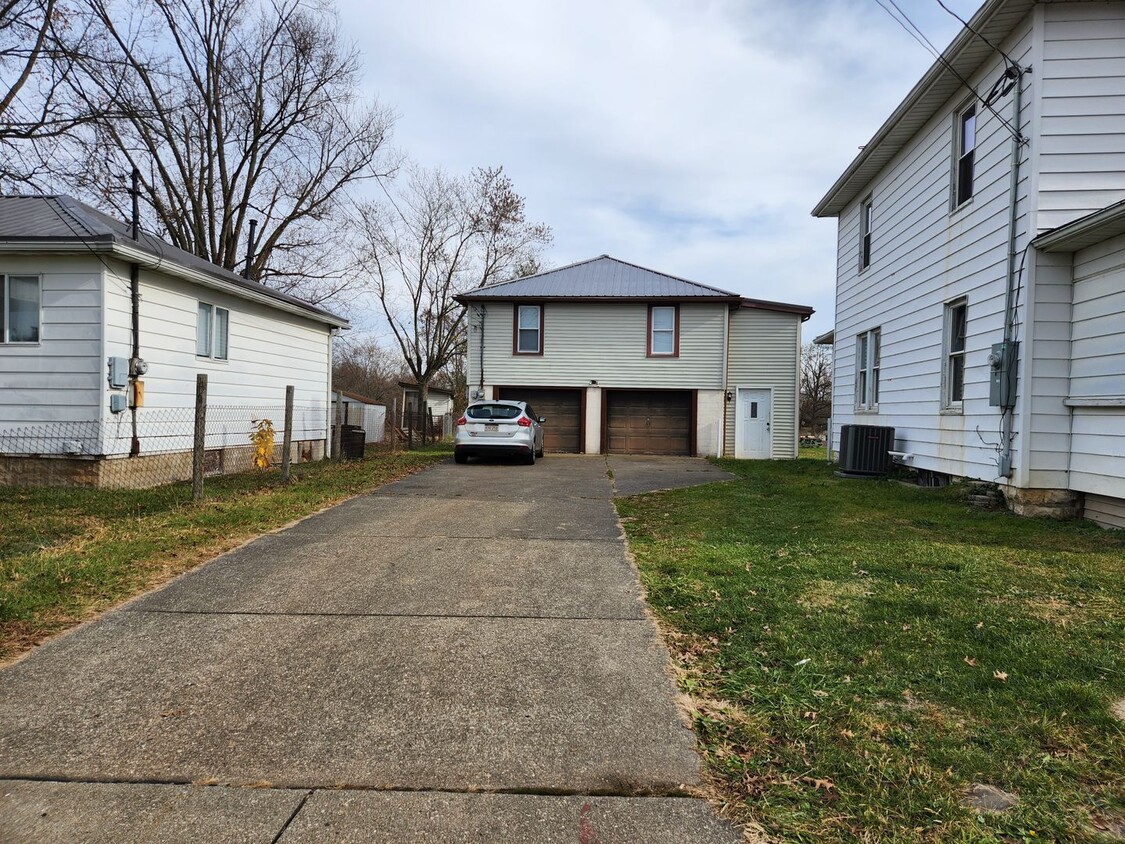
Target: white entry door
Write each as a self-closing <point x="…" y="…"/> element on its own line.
<point x="753" y="422"/>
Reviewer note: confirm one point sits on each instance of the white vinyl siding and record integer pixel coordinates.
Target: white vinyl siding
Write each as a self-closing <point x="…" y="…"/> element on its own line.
<point x="928" y="257"/>
<point x="1097" y="370"/>
<point x="586" y="342"/>
<point x="57" y="379"/>
<point x="269" y="349"/>
<point x="764" y="353"/>
<point x="1081" y="83"/>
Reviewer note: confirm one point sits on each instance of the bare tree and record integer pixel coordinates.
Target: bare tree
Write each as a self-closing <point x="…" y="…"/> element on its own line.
<point x="367" y="367"/>
<point x="816" y="386"/>
<point x="434" y="237"/>
<point x="232" y="110"/>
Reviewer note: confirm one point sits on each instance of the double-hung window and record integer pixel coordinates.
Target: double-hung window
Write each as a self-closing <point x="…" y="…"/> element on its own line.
<point x="953" y="368"/>
<point x="965" y="137"/>
<point x="529" y="330"/>
<point x="867" y="370"/>
<point x="866" y="221"/>
<point x="19" y="308"/>
<point x="212" y="327"/>
<point x="663" y="331"/>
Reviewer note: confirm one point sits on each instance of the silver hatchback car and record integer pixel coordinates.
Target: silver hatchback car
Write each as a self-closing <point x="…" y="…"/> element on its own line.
<point x="498" y="428"/>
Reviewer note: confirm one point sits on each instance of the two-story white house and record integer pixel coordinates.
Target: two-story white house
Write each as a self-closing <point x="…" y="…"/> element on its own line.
<point x="102" y="337"/>
<point x="980" y="296"/>
<point x="622" y="359"/>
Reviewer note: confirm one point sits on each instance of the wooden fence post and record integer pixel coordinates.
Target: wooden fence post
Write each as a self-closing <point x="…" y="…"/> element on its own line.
<point x="199" y="438"/>
<point x="337" y="434"/>
<point x="287" y="440"/>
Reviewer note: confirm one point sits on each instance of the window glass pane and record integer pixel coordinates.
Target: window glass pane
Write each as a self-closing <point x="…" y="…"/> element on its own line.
<point x="957" y="379"/>
<point x="528" y="340"/>
<point x="968" y="131"/>
<point x="957" y="329"/>
<point x="664" y="319"/>
<point x="663" y="342"/>
<point x="529" y="316"/>
<point x="203" y="331"/>
<point x="222" y="320"/>
<point x="23" y="309"/>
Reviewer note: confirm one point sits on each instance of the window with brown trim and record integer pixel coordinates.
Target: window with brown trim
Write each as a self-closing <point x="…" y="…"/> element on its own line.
<point x="527" y="330"/>
<point x="663" y="331"/>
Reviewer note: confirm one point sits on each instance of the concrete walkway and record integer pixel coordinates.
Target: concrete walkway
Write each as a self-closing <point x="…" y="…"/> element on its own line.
<point x="462" y="655"/>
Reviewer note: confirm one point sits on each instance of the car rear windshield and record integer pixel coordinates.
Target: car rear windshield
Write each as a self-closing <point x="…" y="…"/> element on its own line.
<point x="493" y="411"/>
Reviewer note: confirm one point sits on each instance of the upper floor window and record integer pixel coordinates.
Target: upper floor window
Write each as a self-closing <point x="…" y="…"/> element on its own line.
<point x="866" y="219"/>
<point x="212" y="326"/>
<point x="19" y="320"/>
<point x="867" y="370"/>
<point x="663" y="331"/>
<point x="953" y="368"/>
<point x="529" y="330"/>
<point x="966" y="136"/>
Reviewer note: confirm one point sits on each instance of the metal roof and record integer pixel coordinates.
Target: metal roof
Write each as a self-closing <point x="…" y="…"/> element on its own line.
<point x="53" y="223"/>
<point x="1085" y="231"/>
<point x="994" y="20"/>
<point x="599" y="279"/>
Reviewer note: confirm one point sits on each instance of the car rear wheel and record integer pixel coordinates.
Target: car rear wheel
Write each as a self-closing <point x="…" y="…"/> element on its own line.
<point x="530" y="459"/>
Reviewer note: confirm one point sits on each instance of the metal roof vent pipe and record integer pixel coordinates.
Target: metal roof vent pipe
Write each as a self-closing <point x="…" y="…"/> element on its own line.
<point x="250" y="249"/>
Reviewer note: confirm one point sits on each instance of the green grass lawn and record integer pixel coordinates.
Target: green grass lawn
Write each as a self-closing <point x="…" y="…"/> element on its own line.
<point x="859" y="652"/>
<point x="66" y="554"/>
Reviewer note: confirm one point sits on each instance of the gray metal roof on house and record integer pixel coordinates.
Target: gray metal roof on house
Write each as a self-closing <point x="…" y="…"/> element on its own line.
<point x="602" y="278"/>
<point x="38" y="223"/>
<point x="968" y="51"/>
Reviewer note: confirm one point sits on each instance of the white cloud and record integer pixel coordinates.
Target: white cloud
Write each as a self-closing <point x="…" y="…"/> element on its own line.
<point x="692" y="137"/>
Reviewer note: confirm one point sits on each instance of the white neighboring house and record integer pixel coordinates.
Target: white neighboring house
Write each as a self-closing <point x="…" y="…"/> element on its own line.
<point x="364" y="412"/>
<point x="627" y="360"/>
<point x="68" y="387"/>
<point x="970" y="259"/>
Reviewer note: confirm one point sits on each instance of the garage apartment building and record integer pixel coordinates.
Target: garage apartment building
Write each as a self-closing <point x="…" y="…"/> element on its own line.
<point x="626" y="360"/>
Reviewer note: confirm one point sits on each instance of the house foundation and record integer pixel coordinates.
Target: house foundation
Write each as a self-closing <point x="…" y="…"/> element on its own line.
<point x="1050" y="503"/>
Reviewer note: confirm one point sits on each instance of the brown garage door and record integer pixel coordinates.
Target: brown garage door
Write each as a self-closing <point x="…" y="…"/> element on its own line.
<point x="561" y="408"/>
<point x="648" y="421"/>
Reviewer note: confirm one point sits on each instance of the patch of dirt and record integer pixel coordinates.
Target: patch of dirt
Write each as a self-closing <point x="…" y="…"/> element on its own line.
<point x="1118" y="709"/>
<point x="1110" y="826"/>
<point x="988" y="799"/>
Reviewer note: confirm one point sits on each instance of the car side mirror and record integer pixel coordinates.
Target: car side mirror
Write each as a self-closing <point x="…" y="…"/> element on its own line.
<point x="542" y="419"/>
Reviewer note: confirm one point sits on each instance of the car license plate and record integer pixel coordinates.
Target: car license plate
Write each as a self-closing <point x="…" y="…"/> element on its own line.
<point x="492" y="427"/>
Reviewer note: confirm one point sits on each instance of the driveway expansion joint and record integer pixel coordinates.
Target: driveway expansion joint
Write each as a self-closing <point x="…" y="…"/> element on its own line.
<point x="467" y="616"/>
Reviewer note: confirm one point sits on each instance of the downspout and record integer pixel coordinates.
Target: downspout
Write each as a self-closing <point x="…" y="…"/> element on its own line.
<point x="480" y="385"/>
<point x="1007" y="410"/>
<point x="137" y="367"/>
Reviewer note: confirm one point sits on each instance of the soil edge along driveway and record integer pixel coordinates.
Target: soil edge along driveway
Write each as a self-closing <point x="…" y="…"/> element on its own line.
<point x="461" y="655"/>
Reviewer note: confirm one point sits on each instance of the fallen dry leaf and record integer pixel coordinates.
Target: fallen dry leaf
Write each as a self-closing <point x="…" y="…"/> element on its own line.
<point x="1000" y="675"/>
<point x="970" y="661"/>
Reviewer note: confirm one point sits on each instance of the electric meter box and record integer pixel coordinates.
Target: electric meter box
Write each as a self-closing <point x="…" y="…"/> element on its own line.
<point x="1002" y="382"/>
<point x="118" y="373"/>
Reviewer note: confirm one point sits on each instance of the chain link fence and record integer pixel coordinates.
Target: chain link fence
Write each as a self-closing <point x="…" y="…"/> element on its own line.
<point x="115" y="452"/>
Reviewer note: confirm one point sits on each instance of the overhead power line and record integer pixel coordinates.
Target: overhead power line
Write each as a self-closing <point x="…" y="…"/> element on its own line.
<point x="1007" y="58"/>
<point x="912" y="29"/>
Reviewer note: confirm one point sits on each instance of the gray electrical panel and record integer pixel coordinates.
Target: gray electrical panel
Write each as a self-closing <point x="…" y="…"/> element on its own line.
<point x="1002" y="384"/>
<point x="117" y="403"/>
<point x="118" y="373"/>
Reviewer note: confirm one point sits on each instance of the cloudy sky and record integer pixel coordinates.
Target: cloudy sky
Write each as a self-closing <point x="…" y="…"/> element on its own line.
<point x="689" y="136"/>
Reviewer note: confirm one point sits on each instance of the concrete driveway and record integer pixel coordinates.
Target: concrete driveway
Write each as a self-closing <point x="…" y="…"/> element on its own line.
<point x="462" y="655"/>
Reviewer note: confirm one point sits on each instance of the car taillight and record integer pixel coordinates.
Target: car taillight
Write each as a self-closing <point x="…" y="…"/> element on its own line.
<point x="460" y="421"/>
<point x="523" y="422"/>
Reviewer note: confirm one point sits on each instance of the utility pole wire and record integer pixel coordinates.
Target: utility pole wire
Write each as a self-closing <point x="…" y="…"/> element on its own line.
<point x="1007" y="58"/>
<point x="914" y="32"/>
